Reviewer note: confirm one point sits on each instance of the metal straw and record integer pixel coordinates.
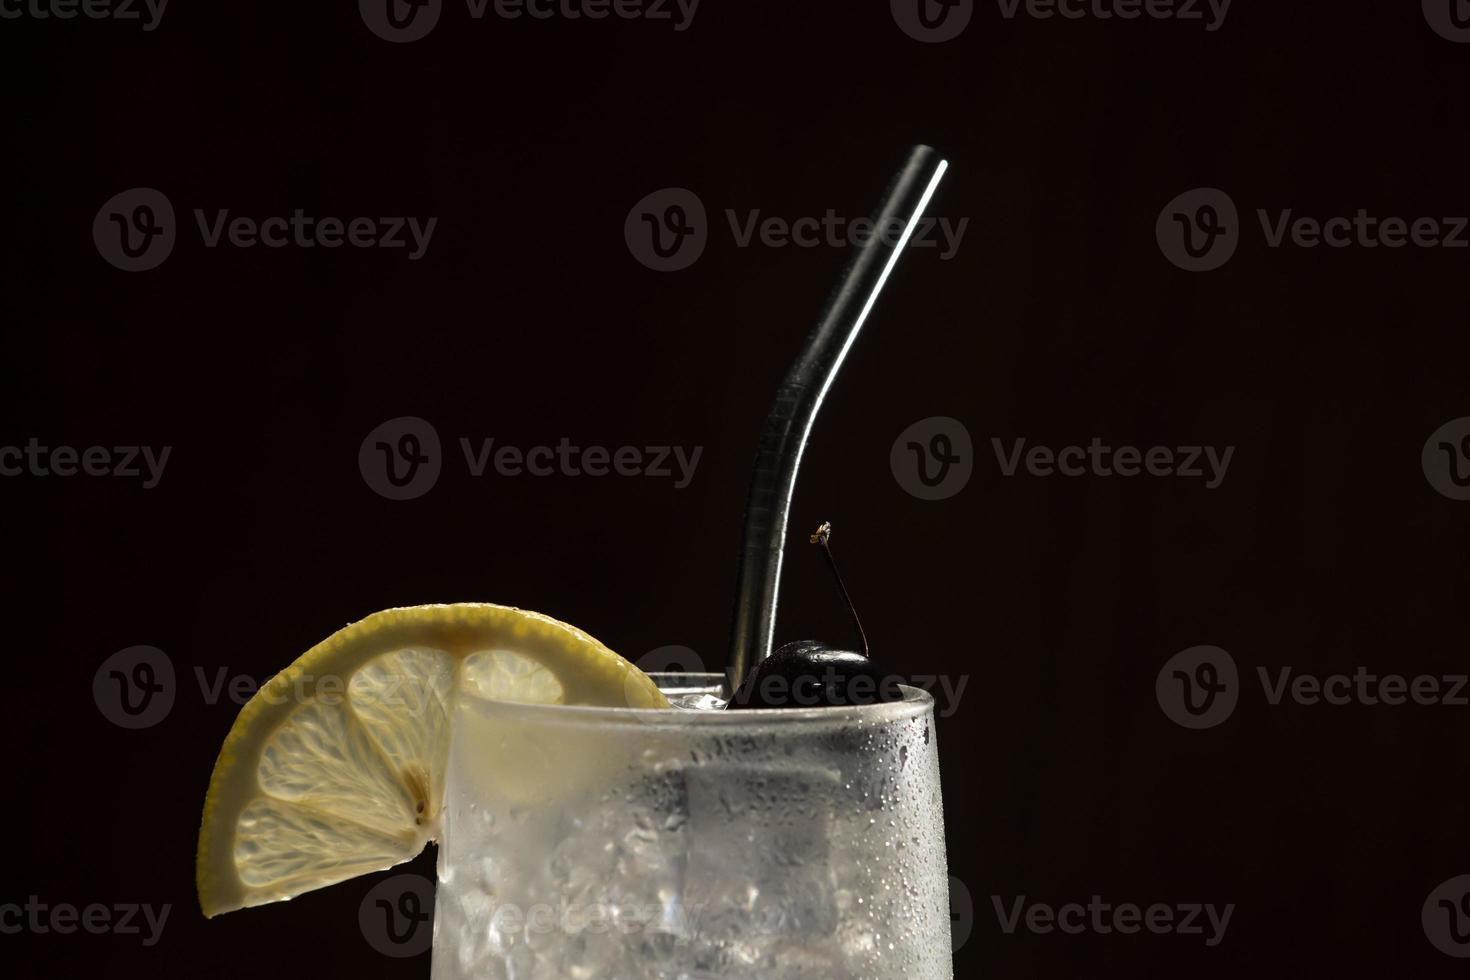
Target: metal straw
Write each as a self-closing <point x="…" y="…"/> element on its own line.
<point x="789" y="424"/>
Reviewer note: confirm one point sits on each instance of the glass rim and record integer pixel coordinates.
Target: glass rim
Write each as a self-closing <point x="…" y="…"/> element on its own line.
<point x="916" y="703"/>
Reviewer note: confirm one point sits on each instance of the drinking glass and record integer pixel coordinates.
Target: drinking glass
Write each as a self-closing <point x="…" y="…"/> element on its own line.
<point x="621" y="844"/>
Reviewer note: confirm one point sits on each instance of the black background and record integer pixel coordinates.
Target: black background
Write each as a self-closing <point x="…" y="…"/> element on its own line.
<point x="528" y="320"/>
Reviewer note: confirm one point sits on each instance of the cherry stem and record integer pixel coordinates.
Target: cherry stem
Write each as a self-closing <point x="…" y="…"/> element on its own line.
<point x="823" y="537"/>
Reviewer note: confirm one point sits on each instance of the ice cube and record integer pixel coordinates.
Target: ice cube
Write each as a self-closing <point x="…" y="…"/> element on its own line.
<point x="696" y="701"/>
<point x="760" y="864"/>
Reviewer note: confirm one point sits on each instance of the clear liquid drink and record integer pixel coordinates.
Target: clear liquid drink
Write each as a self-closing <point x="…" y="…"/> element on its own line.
<point x="616" y="844"/>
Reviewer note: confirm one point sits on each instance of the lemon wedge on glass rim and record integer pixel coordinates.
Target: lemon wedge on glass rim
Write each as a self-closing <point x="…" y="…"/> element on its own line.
<point x="335" y="768"/>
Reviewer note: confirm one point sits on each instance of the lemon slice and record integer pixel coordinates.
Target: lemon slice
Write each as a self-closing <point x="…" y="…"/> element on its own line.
<point x="336" y="767"/>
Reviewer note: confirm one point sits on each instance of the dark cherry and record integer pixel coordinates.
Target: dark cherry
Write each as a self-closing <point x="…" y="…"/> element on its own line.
<point x="811" y="674"/>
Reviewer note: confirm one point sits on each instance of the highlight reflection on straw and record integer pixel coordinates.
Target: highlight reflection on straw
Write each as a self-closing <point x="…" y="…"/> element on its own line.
<point x="793" y="412"/>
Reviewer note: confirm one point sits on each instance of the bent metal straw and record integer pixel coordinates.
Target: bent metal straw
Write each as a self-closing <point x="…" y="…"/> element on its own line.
<point x="794" y="410"/>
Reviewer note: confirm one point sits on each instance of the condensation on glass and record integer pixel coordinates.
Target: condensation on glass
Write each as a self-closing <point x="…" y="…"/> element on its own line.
<point x="601" y="843"/>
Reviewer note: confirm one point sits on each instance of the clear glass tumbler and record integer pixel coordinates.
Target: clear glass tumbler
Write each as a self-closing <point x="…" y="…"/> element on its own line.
<point x="621" y="844"/>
